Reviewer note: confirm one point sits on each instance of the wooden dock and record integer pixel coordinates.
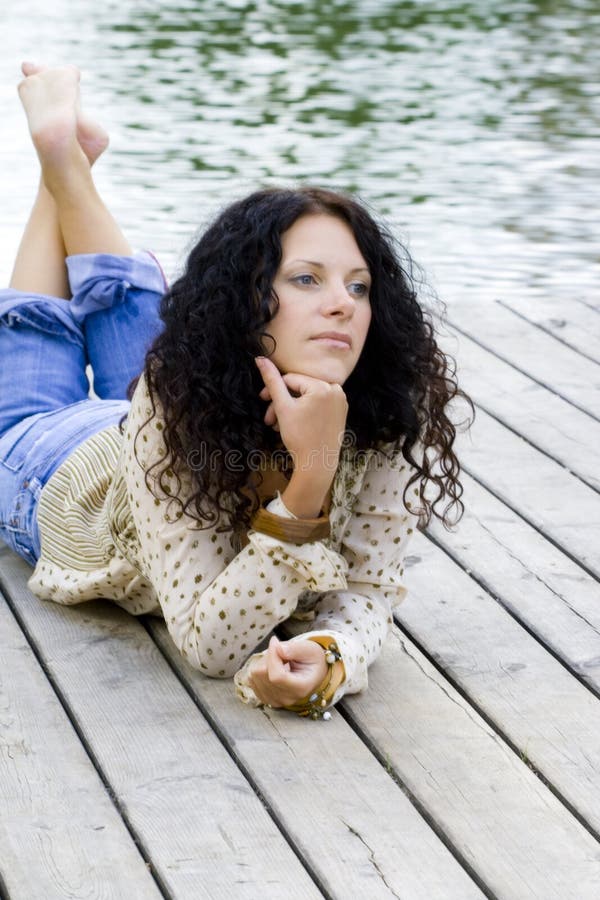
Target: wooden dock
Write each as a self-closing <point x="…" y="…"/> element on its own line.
<point x="471" y="767"/>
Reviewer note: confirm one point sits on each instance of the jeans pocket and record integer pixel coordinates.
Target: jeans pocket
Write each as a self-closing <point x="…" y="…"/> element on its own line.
<point x="13" y="445"/>
<point x="35" y="441"/>
<point x="18" y="515"/>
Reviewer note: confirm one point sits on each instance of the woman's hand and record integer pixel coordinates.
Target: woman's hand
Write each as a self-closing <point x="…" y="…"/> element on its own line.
<point x="310" y="415"/>
<point x="288" y="672"/>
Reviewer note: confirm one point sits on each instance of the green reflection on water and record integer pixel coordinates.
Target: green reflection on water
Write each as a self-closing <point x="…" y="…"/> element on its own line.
<point x="385" y="40"/>
<point x="454" y="110"/>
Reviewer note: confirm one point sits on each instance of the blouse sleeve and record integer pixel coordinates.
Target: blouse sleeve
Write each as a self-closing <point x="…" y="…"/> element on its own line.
<point x="218" y="604"/>
<point x="358" y="616"/>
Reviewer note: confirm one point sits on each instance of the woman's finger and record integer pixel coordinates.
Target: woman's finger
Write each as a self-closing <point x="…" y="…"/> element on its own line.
<point x="300" y="651"/>
<point x="270" y="416"/>
<point x="277" y="670"/>
<point x="301" y="384"/>
<point x="273" y="381"/>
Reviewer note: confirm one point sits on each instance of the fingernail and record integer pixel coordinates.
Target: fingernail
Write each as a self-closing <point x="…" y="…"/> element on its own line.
<point x="259" y="360"/>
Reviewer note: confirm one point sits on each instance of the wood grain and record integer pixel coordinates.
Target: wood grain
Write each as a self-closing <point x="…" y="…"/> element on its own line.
<point x="539" y="415"/>
<point x="203" y="827"/>
<point x="533" y="352"/>
<point x="551" y="719"/>
<point x="60" y="834"/>
<point x="541" y="587"/>
<point x="546" y="494"/>
<point x="507" y="824"/>
<point x="343" y="811"/>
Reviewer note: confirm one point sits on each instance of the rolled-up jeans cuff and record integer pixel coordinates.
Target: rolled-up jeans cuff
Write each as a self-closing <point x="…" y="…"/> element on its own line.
<point x="92" y="278"/>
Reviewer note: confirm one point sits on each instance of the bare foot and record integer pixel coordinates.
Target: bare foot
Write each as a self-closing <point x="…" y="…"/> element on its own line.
<point x="92" y="138"/>
<point x="49" y="98"/>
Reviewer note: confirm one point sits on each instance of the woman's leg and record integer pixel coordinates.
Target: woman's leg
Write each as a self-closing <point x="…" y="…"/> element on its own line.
<point x="45" y="410"/>
<point x="116" y="294"/>
<point x="40" y="263"/>
<point x="42" y="345"/>
<point x="50" y="98"/>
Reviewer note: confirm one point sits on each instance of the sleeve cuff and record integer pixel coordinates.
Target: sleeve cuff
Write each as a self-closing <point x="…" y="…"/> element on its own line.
<point x="246" y="694"/>
<point x="242" y="687"/>
<point x="355" y="669"/>
<point x="278" y="508"/>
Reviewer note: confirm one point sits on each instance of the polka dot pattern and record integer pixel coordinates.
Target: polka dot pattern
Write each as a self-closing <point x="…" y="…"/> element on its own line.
<point x="219" y="599"/>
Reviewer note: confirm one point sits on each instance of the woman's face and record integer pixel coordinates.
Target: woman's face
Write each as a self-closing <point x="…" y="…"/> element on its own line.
<point x="324" y="311"/>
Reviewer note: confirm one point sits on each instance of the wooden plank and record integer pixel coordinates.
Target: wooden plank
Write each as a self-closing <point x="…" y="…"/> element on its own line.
<point x="513" y="830"/>
<point x="588" y="302"/>
<point x="204" y="829"/>
<point x="544" y="418"/>
<point x="531" y="351"/>
<point x="574" y="324"/>
<point x="60" y="834"/>
<point x="542" y="587"/>
<point x="360" y="833"/>
<point x="550" y="497"/>
<point x="530" y="697"/>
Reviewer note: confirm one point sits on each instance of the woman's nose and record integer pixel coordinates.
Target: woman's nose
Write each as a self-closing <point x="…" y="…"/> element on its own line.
<point x="339" y="300"/>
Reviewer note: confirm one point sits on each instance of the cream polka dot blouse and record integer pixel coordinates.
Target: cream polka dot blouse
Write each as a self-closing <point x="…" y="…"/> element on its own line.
<point x="105" y="534"/>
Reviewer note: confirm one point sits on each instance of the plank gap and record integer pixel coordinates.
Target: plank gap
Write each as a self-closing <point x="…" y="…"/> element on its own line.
<point x="508" y="362"/>
<point x="89" y="752"/>
<point x="502" y="736"/>
<point x="544" y="452"/>
<point x="4" y="895"/>
<point x="342" y="865"/>
<point x="556" y="654"/>
<point x="222" y="738"/>
<point x="585" y="303"/>
<point x="428" y="817"/>
<point x="547" y="331"/>
<point x="531" y="523"/>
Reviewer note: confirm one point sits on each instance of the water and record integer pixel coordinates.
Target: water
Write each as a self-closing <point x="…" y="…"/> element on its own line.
<point x="471" y="126"/>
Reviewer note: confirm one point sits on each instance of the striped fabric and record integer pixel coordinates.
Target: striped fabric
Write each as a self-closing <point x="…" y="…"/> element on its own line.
<point x="84" y="517"/>
<point x="106" y="534"/>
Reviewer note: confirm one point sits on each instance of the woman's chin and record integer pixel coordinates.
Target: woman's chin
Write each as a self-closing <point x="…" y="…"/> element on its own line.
<point x="329" y="371"/>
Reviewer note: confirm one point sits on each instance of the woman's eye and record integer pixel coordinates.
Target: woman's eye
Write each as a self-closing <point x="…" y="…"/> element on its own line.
<point x="358" y="288"/>
<point x="304" y="279"/>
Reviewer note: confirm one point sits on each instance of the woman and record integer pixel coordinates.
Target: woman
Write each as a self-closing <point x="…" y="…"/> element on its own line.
<point x="290" y="415"/>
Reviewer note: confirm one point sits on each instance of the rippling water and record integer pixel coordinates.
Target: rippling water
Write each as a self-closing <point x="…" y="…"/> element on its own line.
<point x="471" y="126"/>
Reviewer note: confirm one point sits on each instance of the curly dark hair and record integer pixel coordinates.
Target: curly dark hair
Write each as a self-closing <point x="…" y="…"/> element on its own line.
<point x="201" y="367"/>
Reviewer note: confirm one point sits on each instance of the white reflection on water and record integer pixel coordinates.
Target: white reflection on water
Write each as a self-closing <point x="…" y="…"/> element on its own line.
<point x="472" y="126"/>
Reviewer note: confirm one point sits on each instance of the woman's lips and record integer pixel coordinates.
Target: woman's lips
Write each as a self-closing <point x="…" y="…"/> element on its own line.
<point x="335" y="341"/>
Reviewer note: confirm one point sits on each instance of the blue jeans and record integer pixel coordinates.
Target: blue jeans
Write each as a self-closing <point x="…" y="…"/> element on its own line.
<point x="45" y="345"/>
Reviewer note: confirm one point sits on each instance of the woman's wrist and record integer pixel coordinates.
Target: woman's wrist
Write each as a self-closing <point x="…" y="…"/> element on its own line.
<point x="305" y="494"/>
<point x="315" y="704"/>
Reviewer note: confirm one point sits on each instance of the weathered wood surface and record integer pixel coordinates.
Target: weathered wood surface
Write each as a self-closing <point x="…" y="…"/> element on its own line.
<point x="551" y="595"/>
<point x="339" y="805"/>
<point x="483" y="808"/>
<point x="202" y="826"/>
<point x="550" y="423"/>
<point x="548" y="496"/>
<point x="470" y="768"/>
<point x="588" y="301"/>
<point x="531" y="351"/>
<point x="507" y="824"/>
<point x="533" y="700"/>
<point x="578" y="326"/>
<point x="60" y="834"/>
